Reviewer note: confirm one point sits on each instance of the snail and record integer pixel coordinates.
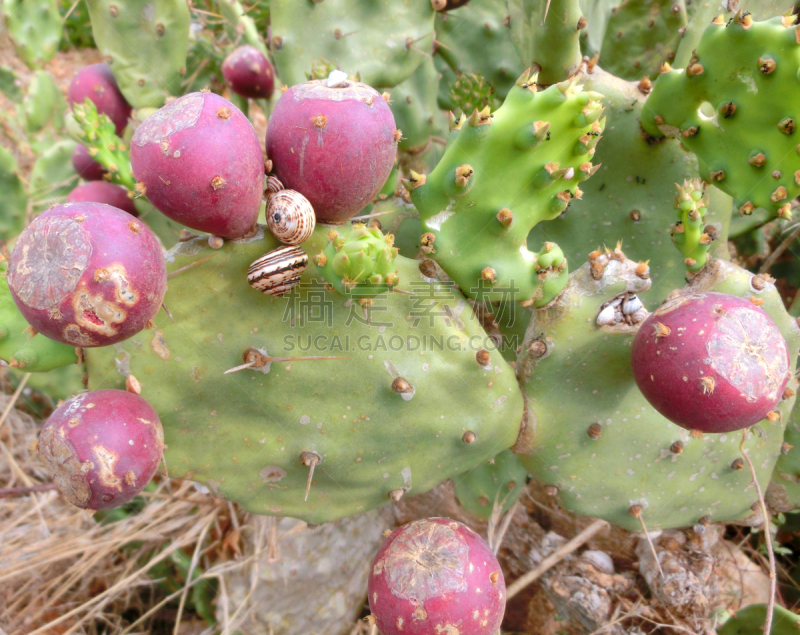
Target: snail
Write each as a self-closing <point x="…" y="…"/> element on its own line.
<point x="290" y="217"/>
<point x="278" y="271"/>
<point x="274" y="186"/>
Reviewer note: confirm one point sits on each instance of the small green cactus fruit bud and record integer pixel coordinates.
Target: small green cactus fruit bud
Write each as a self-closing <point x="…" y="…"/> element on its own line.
<point x="689" y="235"/>
<point x="360" y="263"/>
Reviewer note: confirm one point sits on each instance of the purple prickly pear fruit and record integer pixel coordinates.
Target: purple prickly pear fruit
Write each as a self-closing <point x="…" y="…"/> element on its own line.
<point x="711" y="362"/>
<point x="98" y="84"/>
<point x="86" y="167"/>
<point x="104" y="192"/>
<point x="248" y="73"/>
<point x="201" y="164"/>
<point x="102" y="447"/>
<point x="336" y="145"/>
<point x="87" y="274"/>
<point x="436" y="576"/>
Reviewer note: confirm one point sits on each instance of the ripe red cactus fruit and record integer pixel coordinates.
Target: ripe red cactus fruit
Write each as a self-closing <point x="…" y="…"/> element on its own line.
<point x="436" y="576"/>
<point x="248" y="73"/>
<point x="102" y="447"/>
<point x="710" y="362"/>
<point x="336" y="145"/>
<point x="86" y="167"/>
<point x="87" y="274"/>
<point x="98" y="84"/>
<point x="103" y="192"/>
<point x="200" y="163"/>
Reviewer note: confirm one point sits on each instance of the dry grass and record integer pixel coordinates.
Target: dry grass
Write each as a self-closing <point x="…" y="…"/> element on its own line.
<point x="63" y="572"/>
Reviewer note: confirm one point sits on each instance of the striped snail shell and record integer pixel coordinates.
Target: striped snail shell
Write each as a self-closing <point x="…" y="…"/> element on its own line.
<point x="278" y="271"/>
<point x="274" y="186"/>
<point x="290" y="217"/>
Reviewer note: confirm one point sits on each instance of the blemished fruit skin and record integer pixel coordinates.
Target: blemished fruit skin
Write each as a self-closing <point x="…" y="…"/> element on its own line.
<point x="87" y="274"/>
<point x="201" y="164"/>
<point x="102" y="447"/>
<point x="335" y="145"/>
<point x="710" y="362"/>
<point x="248" y="73"/>
<point x="103" y="192"/>
<point x="98" y="84"/>
<point x="85" y="165"/>
<point x="436" y="576"/>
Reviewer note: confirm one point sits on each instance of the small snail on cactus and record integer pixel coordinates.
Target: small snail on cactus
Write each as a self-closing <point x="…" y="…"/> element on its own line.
<point x="274" y="186"/>
<point x="290" y="216"/>
<point x="278" y="271"/>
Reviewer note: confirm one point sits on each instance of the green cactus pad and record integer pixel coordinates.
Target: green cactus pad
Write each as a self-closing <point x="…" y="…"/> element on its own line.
<point x="751" y="619"/>
<point x="44" y="103"/>
<point x="640" y="35"/>
<point x="630" y="198"/>
<point x="14" y="201"/>
<point x="381" y="42"/>
<point x="501" y="174"/>
<point x="413" y="105"/>
<point x="600" y="443"/>
<point x="359" y="263"/>
<point x="35" y="29"/>
<point x="783" y="493"/>
<point x="146" y="43"/>
<point x="23" y="349"/>
<point x="733" y="106"/>
<point x="493" y="484"/>
<point x="243" y="433"/>
<point x="239" y="25"/>
<point x="475" y="39"/>
<point x="547" y="36"/>
<point x="53" y="176"/>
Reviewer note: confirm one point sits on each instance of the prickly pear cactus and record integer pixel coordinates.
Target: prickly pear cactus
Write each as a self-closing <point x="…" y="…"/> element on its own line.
<point x="547" y="36"/>
<point x="44" y="104"/>
<point x="413" y="104"/>
<point x="359" y="263"/>
<point x="502" y="173"/>
<point x="343" y="32"/>
<point x="596" y="441"/>
<point x="689" y="234"/>
<point x="381" y="420"/>
<point x="640" y="35"/>
<point x="750" y="621"/>
<point x="53" y="176"/>
<point x="475" y="40"/>
<point x="14" y="201"/>
<point x="732" y="106"/>
<point x="146" y="43"/>
<point x="631" y="199"/>
<point x="35" y="29"/>
<point x="492" y="487"/>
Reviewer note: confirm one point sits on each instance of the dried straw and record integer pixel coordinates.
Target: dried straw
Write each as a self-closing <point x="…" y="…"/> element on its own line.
<point x="63" y="572"/>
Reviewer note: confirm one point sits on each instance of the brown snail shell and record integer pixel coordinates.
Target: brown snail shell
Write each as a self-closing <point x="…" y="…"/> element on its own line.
<point x="278" y="271"/>
<point x="290" y="217"/>
<point x="274" y="186"/>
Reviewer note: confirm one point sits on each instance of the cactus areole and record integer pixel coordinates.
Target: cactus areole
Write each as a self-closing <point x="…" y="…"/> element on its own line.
<point x="335" y="144"/>
<point x="87" y="274"/>
<point x="711" y="362"/>
<point x="102" y="447"/>
<point x="436" y="576"/>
